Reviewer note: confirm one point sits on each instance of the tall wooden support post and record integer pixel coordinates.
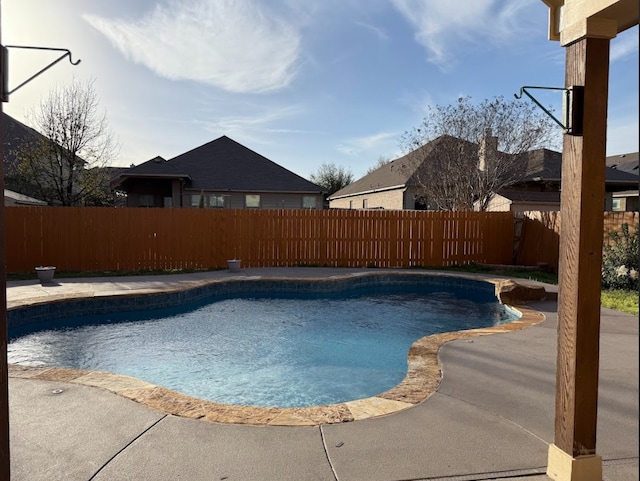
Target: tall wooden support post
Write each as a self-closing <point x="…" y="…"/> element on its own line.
<point x="5" y="471"/>
<point x="573" y="456"/>
<point x="5" y="464"/>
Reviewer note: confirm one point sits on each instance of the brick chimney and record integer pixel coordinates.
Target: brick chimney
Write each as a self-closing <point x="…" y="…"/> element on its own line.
<point x="487" y="150"/>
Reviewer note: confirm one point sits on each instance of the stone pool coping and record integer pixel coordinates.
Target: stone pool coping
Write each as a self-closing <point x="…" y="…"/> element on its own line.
<point x="423" y="377"/>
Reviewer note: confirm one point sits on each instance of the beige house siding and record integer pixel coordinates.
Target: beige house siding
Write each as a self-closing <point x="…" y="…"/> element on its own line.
<point x="502" y="204"/>
<point x="394" y="199"/>
<point x="237" y="200"/>
<point x="623" y="201"/>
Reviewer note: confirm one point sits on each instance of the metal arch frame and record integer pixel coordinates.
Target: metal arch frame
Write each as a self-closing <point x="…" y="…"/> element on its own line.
<point x="5" y="57"/>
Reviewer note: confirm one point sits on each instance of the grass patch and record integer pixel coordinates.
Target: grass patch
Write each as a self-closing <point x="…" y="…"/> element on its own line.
<point x="530" y="273"/>
<point x="620" y="300"/>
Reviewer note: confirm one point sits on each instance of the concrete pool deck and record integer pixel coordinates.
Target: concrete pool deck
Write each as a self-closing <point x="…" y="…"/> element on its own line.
<point x="491" y="416"/>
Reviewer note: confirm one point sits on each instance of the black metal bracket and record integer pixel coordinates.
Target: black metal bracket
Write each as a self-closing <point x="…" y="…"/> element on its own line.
<point x="572" y="107"/>
<point x="4" y="91"/>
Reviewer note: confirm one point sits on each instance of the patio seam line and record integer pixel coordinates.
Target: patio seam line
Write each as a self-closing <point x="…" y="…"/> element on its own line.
<point x="498" y="415"/>
<point x="326" y="453"/>
<point x="121" y="450"/>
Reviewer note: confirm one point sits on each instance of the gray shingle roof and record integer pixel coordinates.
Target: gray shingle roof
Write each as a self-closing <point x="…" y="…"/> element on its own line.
<point x="15" y="134"/>
<point x="398" y="172"/>
<point x="625" y="162"/>
<point x="540" y="165"/>
<point x="531" y="196"/>
<point x="224" y="164"/>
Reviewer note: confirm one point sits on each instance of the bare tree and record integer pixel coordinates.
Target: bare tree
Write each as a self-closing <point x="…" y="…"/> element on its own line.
<point x="65" y="166"/>
<point x="331" y="177"/>
<point x="462" y="154"/>
<point x="382" y="160"/>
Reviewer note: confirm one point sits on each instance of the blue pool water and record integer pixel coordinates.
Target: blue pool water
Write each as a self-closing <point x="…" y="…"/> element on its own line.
<point x="271" y="350"/>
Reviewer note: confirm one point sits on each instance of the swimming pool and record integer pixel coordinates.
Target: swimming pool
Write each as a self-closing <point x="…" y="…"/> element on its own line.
<point x="269" y="311"/>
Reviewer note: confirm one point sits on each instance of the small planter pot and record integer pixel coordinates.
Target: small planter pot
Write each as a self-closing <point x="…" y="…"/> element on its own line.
<point x="45" y="274"/>
<point x="233" y="265"/>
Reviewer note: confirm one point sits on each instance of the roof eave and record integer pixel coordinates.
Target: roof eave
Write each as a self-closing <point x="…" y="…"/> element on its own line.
<point x="123" y="177"/>
<point x="369" y="191"/>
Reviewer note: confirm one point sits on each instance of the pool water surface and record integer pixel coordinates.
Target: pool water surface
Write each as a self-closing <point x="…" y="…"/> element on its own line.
<point x="266" y="350"/>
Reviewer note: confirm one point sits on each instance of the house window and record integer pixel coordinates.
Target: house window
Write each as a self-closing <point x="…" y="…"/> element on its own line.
<point x="350" y="204"/>
<point x="216" y="201"/>
<point x="168" y="202"/>
<point x="365" y="203"/>
<point x="309" y="202"/>
<point x="195" y="200"/>
<point x="146" y="200"/>
<point x="617" y="205"/>
<point x="252" y="201"/>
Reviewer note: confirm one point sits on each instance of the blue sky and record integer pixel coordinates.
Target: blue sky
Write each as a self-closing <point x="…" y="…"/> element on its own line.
<point x="300" y="82"/>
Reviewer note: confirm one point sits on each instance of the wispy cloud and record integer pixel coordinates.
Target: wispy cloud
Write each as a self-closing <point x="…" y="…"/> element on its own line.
<point x="235" y="45"/>
<point x="441" y="26"/>
<point x="624" y="46"/>
<point x="370" y="143"/>
<point x="252" y="125"/>
<point x="380" y="33"/>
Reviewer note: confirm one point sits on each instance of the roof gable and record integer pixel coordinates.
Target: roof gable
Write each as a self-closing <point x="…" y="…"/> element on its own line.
<point x="225" y="165"/>
<point x="14" y="135"/>
<point x="398" y="173"/>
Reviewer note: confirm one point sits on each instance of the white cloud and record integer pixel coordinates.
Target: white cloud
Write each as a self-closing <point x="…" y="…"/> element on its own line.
<point x="370" y="143"/>
<point x="440" y="26"/>
<point x="380" y="33"/>
<point x="235" y="45"/>
<point x="255" y="127"/>
<point x="623" y="46"/>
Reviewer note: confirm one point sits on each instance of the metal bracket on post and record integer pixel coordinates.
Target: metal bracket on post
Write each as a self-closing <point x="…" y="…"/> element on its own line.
<point x="4" y="54"/>
<point x="572" y="107"/>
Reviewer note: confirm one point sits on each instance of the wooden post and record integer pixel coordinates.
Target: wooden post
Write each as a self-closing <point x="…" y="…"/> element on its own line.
<point x="5" y="470"/>
<point x="573" y="456"/>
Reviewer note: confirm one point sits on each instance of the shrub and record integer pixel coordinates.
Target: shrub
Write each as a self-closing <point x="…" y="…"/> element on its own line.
<point x="620" y="260"/>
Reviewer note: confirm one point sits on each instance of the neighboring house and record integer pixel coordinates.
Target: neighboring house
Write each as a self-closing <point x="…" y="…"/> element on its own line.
<point x="625" y="162"/>
<point x="394" y="185"/>
<point x="13" y="199"/>
<point x="627" y="200"/>
<point x="218" y="174"/>
<point x="540" y="188"/>
<point x="524" y="200"/>
<point x="15" y="134"/>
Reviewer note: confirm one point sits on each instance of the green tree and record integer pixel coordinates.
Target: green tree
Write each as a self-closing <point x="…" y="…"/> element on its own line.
<point x="331" y="177"/>
<point x="65" y="166"/>
<point x="467" y="152"/>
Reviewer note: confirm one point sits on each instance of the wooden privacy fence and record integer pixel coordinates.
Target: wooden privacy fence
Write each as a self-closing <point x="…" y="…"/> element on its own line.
<point x="540" y="238"/>
<point x="108" y="239"/>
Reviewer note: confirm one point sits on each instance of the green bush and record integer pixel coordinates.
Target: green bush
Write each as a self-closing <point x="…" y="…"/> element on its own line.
<point x="620" y="260"/>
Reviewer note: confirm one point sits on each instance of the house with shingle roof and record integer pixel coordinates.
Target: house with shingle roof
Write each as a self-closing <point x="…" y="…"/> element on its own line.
<point x="15" y="135"/>
<point x="395" y="185"/>
<point x="219" y="174"/>
<point x="625" y="200"/>
<point x="625" y="162"/>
